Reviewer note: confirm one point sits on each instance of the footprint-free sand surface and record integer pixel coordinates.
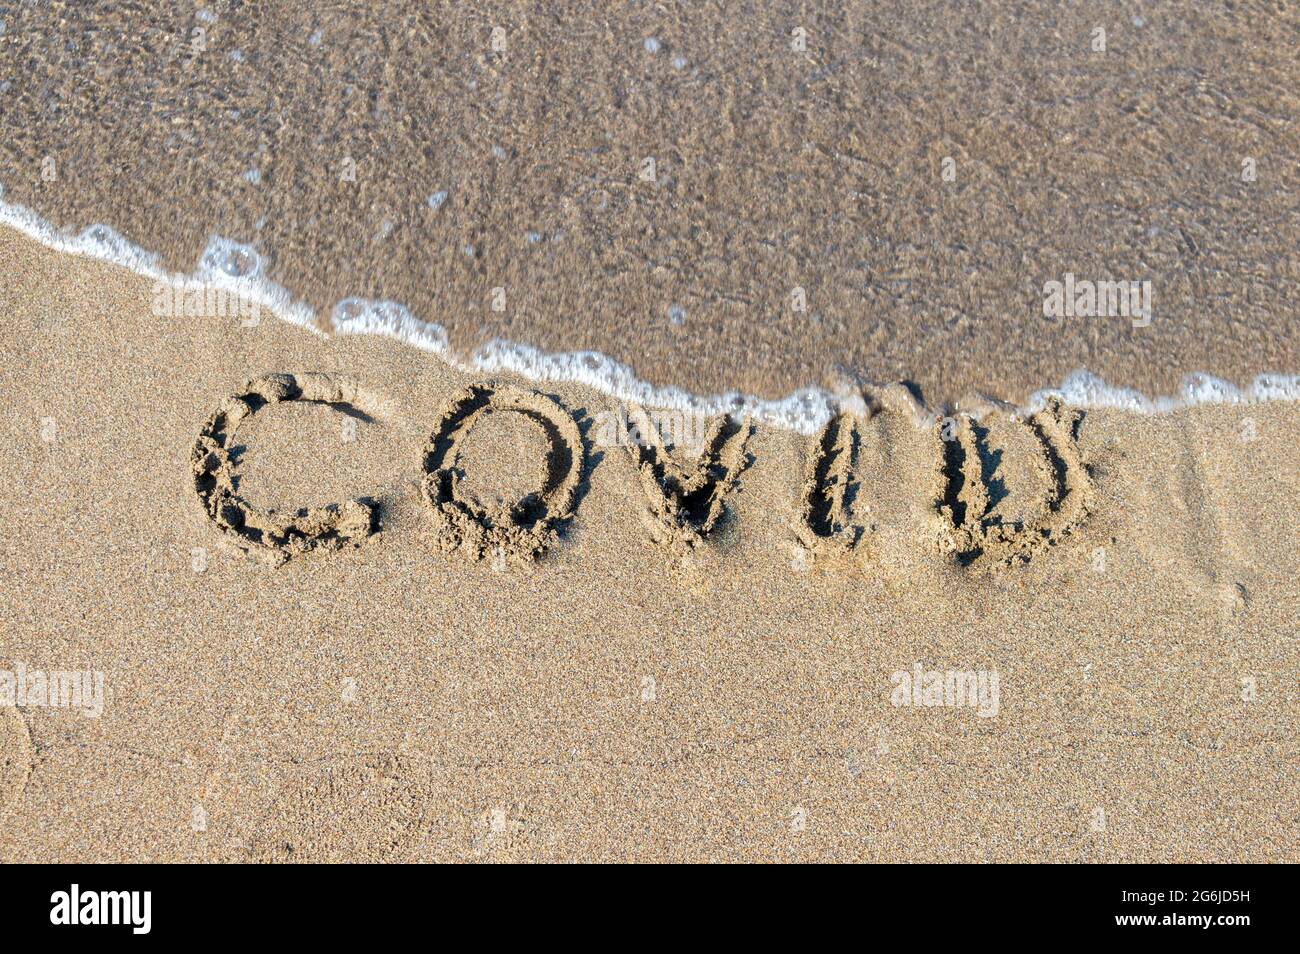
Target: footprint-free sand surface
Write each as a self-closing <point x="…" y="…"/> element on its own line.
<point x="650" y="658"/>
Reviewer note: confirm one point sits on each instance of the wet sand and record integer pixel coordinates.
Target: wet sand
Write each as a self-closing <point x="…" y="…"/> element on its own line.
<point x="800" y="225"/>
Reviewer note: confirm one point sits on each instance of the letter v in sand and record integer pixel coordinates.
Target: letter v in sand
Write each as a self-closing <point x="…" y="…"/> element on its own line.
<point x="685" y="506"/>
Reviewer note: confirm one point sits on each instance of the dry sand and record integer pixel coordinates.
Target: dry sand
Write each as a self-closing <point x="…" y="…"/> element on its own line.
<point x="626" y="694"/>
<point x="781" y="162"/>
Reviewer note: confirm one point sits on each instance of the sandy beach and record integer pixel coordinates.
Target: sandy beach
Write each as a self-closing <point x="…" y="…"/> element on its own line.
<point x="645" y="659"/>
<point x="715" y="432"/>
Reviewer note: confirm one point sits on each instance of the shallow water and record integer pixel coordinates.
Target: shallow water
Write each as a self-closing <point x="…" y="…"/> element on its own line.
<point x="799" y="231"/>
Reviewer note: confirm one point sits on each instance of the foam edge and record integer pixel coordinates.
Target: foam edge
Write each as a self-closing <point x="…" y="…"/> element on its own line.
<point x="238" y="268"/>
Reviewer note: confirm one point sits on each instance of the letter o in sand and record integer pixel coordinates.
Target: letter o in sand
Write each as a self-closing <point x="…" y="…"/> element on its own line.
<point x="525" y="528"/>
<point x="277" y="534"/>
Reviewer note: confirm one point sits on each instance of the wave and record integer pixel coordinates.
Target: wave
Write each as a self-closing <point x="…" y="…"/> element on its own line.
<point x="239" y="269"/>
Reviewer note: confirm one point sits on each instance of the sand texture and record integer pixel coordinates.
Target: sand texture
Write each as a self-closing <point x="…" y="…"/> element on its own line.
<point x="760" y="195"/>
<point x="351" y="604"/>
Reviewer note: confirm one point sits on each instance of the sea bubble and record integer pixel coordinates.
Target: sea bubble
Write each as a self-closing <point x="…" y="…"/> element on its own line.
<point x="238" y="264"/>
<point x="233" y="259"/>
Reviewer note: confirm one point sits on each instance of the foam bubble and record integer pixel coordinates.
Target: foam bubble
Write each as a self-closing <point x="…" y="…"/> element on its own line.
<point x="1276" y="387"/>
<point x="359" y="316"/>
<point x="1082" y="388"/>
<point x="230" y="258"/>
<point x="238" y="267"/>
<point x="103" y="242"/>
<point x="1207" y="389"/>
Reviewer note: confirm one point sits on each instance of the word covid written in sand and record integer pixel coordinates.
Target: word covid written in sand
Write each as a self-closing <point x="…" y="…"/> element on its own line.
<point x="688" y="497"/>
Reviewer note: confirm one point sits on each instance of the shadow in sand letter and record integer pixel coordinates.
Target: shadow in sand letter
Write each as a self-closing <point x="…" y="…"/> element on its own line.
<point x="969" y="472"/>
<point x="274" y="533"/>
<point x="519" y="529"/>
<point x="825" y="524"/>
<point x="686" y="505"/>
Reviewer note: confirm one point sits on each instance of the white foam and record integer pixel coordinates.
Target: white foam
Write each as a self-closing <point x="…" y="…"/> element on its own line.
<point x="359" y="316"/>
<point x="804" y="411"/>
<point x="233" y="266"/>
<point x="1084" y="389"/>
<point x="239" y="268"/>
